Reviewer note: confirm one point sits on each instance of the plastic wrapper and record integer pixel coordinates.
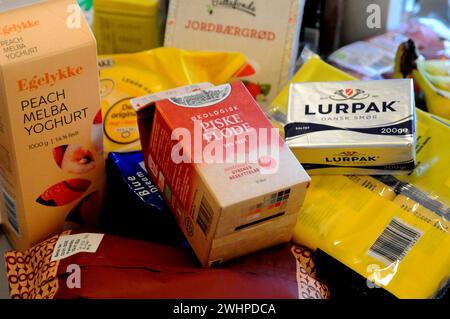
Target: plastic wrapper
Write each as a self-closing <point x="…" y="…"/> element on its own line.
<point x="428" y="34"/>
<point x="370" y="59"/>
<point x="384" y="231"/>
<point x="105" y="266"/>
<point x="374" y="185"/>
<point x="125" y="76"/>
<point x="375" y="237"/>
<point x="130" y="190"/>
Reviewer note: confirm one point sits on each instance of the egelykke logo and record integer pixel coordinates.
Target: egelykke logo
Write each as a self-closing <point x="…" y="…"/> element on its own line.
<point x="49" y="79"/>
<point x="20" y="27"/>
<point x="231" y="144"/>
<point x="349" y="94"/>
<point x="247" y="7"/>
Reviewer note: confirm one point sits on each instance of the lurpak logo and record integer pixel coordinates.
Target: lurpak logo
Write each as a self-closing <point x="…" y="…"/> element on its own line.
<point x="352" y="108"/>
<point x="350" y="156"/>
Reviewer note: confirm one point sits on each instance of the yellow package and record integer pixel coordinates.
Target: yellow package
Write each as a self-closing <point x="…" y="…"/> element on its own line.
<point x="432" y="174"/>
<point x="380" y="237"/>
<point x="126" y="76"/>
<point x="374" y="185"/>
<point x="410" y="205"/>
<point x="375" y="237"/>
<point x="426" y="206"/>
<point x="347" y="221"/>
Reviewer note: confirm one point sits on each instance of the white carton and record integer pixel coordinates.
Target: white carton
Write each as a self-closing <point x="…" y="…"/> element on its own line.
<point x="358" y="127"/>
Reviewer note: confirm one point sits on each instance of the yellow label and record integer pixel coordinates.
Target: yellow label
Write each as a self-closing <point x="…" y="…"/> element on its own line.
<point x="120" y="123"/>
<point x="119" y="118"/>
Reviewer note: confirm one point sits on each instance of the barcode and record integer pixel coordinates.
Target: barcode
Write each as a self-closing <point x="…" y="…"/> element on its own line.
<point x="395" y="242"/>
<point x="11" y="211"/>
<point x="204" y="218"/>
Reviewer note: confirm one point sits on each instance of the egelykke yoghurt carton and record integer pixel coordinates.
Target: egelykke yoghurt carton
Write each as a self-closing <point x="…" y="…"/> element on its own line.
<point x="51" y="154"/>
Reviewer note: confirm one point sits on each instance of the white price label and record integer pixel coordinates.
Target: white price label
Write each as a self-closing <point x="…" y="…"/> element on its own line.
<point x="69" y="245"/>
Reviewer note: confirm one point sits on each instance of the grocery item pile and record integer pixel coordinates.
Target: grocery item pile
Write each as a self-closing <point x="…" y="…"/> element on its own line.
<point x="208" y="169"/>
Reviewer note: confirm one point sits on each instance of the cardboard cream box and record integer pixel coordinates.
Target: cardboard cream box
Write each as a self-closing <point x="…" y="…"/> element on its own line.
<point x="230" y="180"/>
<point x="358" y="127"/>
<point x="266" y="31"/>
<point x="51" y="157"/>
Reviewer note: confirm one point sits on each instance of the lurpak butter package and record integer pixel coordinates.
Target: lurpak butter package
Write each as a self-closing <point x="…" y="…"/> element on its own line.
<point x="358" y="127"/>
<point x="348" y="217"/>
<point x="51" y="150"/>
<point x="232" y="184"/>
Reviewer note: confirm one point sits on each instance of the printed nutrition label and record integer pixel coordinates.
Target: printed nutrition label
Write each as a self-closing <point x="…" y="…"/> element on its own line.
<point x="16" y="47"/>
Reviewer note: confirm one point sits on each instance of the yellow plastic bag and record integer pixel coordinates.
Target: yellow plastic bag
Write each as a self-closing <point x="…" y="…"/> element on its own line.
<point x="376" y="228"/>
<point x="125" y="76"/>
<point x="375" y="237"/>
<point x="348" y="218"/>
<point x="432" y="174"/>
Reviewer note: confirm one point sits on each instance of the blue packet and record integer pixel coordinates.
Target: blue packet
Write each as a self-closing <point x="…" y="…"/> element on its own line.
<point x="134" y="207"/>
<point x="133" y="173"/>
